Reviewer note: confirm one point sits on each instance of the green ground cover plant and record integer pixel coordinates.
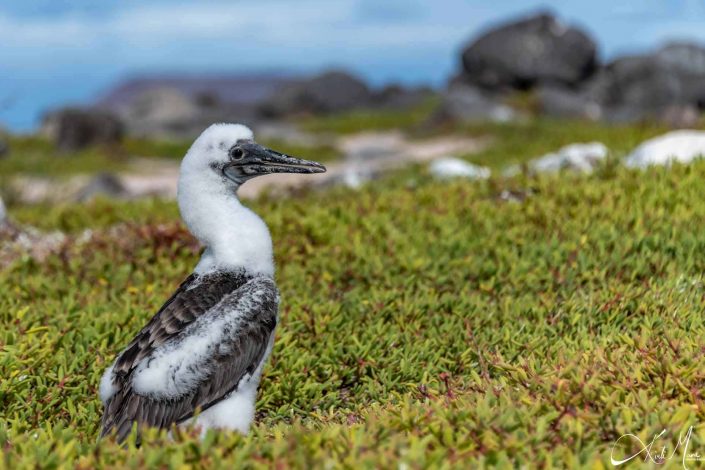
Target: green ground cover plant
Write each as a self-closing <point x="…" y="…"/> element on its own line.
<point x="373" y="120"/>
<point x="422" y="324"/>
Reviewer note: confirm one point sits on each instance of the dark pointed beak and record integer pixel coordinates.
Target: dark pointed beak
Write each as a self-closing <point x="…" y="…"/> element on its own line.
<point x="275" y="162"/>
<point x="251" y="159"/>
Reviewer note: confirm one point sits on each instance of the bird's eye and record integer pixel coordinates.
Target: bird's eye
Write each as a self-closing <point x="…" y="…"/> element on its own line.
<point x="237" y="153"/>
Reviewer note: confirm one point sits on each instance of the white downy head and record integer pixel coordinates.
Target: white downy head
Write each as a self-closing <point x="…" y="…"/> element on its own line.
<point x="221" y="159"/>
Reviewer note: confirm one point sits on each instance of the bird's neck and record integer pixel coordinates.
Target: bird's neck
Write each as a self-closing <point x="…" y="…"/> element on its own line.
<point x="234" y="236"/>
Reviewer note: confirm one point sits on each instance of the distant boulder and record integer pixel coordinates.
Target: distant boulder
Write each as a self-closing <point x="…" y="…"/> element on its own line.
<point x="181" y="106"/>
<point x="528" y="52"/>
<point x="683" y="56"/>
<point x="74" y="129"/>
<point x="159" y="112"/>
<point x="161" y="104"/>
<point x="562" y="102"/>
<point x="558" y="64"/>
<point x="4" y="143"/>
<point x="467" y="103"/>
<point x="205" y="89"/>
<point x="103" y="184"/>
<point x="330" y="92"/>
<point x="167" y="112"/>
<point x="667" y="86"/>
<point x="399" y="97"/>
<point x="636" y="86"/>
<point x="687" y="60"/>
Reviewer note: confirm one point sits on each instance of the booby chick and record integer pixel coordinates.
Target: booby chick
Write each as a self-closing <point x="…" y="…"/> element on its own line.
<point x="203" y="352"/>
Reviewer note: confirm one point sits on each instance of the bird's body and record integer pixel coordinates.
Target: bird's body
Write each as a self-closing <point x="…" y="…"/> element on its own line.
<point x="205" y="349"/>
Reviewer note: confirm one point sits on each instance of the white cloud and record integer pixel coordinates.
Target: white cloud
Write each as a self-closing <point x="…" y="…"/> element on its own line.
<point x="271" y="22"/>
<point x="243" y="31"/>
<point x="274" y="34"/>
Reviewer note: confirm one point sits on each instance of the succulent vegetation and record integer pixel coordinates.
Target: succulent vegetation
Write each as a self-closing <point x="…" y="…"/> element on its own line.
<point x="422" y="323"/>
<point x="373" y="120"/>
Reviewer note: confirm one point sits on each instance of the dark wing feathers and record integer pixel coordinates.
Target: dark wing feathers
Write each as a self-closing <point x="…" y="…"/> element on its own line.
<point x="246" y="348"/>
<point x="193" y="298"/>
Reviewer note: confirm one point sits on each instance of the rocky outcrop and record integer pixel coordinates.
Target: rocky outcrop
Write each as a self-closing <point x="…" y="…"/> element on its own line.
<point x="397" y="97"/>
<point x="166" y="106"/>
<point x="4" y="147"/>
<point x="529" y="52"/>
<point x="73" y="129"/>
<point x="537" y="53"/>
<point x="237" y="90"/>
<point x="560" y="101"/>
<point x="469" y="103"/>
<point x="165" y="112"/>
<point x="330" y="92"/>
<point x="4" y="143"/>
<point x="557" y="64"/>
<point x="651" y="86"/>
<point x="103" y="184"/>
<point x="667" y="86"/>
<point x="182" y="106"/>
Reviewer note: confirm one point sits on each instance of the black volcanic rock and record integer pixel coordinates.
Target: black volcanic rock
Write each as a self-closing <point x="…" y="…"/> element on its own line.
<point x="173" y="106"/>
<point x="226" y="89"/>
<point x="181" y="107"/>
<point x="687" y="60"/>
<point x="683" y="56"/>
<point x="463" y="102"/>
<point x="330" y="92"/>
<point x="399" y="97"/>
<point x="667" y="86"/>
<point x="166" y="112"/>
<point x="639" y="82"/>
<point x="4" y="143"/>
<point x="103" y="184"/>
<point x="559" y="101"/>
<point x="532" y="51"/>
<point x="73" y="129"/>
<point x="658" y="86"/>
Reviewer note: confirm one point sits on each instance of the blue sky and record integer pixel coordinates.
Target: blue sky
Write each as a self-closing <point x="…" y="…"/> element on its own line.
<point x="56" y="52"/>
